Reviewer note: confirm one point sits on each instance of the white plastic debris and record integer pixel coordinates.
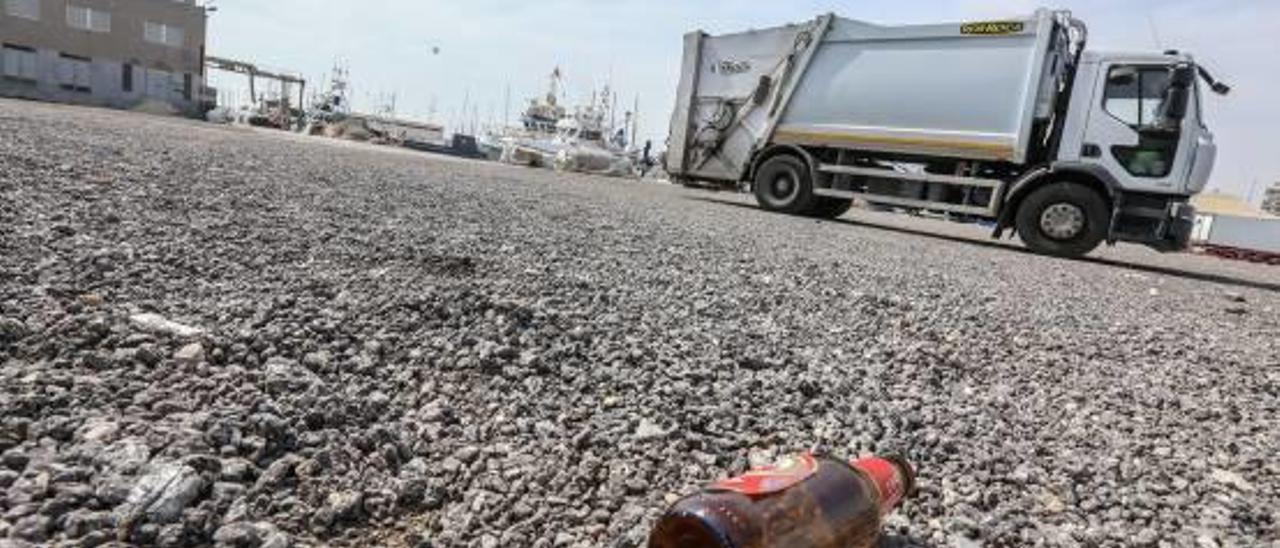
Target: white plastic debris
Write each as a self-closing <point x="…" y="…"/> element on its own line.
<point x="156" y="323"/>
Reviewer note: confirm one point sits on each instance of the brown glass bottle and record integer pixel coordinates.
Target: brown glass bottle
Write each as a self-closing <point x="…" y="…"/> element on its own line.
<point x="803" y="502"/>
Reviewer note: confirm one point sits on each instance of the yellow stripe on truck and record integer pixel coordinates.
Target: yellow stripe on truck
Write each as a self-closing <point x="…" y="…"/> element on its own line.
<point x="795" y="136"/>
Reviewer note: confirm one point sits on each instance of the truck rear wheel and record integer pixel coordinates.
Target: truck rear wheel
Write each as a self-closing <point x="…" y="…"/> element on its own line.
<point x="1063" y="219"/>
<point x="783" y="184"/>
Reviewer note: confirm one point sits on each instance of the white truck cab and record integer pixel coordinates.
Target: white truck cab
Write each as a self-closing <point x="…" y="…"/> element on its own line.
<point x="1123" y="127"/>
<point x="1011" y="121"/>
<point x="1135" y="122"/>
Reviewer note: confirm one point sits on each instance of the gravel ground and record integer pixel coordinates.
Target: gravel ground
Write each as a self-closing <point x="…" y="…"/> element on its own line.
<point x="213" y="335"/>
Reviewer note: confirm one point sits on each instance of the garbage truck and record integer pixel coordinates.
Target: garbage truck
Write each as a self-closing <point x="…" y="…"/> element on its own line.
<point x="1009" y="122"/>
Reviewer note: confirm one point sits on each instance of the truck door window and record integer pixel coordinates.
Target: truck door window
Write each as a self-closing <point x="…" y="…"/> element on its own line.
<point x="1122" y="98"/>
<point x="1136" y="97"/>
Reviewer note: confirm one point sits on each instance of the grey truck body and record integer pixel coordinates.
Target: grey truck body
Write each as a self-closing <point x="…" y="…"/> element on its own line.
<point x="962" y="118"/>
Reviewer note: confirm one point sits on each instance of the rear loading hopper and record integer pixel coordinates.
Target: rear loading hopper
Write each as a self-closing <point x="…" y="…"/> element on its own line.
<point x="961" y="91"/>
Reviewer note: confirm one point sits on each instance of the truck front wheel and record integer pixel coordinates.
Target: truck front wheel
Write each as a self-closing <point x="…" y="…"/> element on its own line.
<point x="1063" y="219"/>
<point x="783" y="184"/>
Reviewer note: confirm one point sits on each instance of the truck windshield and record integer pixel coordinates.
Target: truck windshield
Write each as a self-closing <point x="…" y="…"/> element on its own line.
<point x="1135" y="95"/>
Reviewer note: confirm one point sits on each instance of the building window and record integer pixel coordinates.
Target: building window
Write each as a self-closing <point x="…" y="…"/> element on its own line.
<point x="19" y="63"/>
<point x="160" y="33"/>
<point x="73" y="73"/>
<point x="26" y="9"/>
<point x="126" y="78"/>
<point x="79" y="17"/>
<point x="186" y="86"/>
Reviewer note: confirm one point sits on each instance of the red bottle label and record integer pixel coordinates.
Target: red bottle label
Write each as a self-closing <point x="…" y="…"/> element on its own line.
<point x="770" y="479"/>
<point x="888" y="480"/>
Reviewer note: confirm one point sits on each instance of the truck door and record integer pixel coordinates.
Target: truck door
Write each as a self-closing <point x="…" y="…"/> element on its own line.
<point x="1130" y="133"/>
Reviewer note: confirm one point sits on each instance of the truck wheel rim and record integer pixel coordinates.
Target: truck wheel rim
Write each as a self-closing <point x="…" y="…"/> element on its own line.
<point x="1062" y="221"/>
<point x="783" y="188"/>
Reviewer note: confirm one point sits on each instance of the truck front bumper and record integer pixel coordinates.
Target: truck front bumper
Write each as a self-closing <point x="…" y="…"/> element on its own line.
<point x="1166" y="230"/>
<point x="1181" y="222"/>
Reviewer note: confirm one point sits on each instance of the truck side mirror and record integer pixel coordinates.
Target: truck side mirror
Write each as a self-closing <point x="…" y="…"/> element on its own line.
<point x="1178" y="97"/>
<point x="1182" y="76"/>
<point x="1175" y="103"/>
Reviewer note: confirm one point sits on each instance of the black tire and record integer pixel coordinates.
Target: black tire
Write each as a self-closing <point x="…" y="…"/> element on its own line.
<point x="830" y="208"/>
<point x="1063" y="219"/>
<point x="783" y="184"/>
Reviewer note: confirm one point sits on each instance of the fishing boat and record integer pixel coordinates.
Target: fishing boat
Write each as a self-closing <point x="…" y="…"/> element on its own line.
<point x="584" y="139"/>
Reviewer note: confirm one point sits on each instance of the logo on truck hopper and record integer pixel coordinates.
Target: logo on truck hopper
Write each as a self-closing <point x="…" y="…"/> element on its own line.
<point x="730" y="67"/>
<point x="992" y="27"/>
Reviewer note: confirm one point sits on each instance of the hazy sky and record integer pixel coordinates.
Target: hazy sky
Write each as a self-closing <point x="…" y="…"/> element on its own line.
<point x="487" y="45"/>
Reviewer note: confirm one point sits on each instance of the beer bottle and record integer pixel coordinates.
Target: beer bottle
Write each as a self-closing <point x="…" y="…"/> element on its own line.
<point x="805" y="501"/>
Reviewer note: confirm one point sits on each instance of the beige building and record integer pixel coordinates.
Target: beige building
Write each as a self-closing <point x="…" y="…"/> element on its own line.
<point x="116" y="53"/>
<point x="1216" y="202"/>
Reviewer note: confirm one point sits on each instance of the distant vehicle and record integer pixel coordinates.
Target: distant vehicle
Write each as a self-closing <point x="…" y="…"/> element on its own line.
<point x="1009" y="121"/>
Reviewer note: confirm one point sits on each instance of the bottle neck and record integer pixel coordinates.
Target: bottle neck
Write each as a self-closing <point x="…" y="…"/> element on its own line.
<point x="893" y="478"/>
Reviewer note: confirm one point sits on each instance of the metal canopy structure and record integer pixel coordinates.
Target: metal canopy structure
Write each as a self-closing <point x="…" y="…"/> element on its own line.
<point x="253" y="72"/>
